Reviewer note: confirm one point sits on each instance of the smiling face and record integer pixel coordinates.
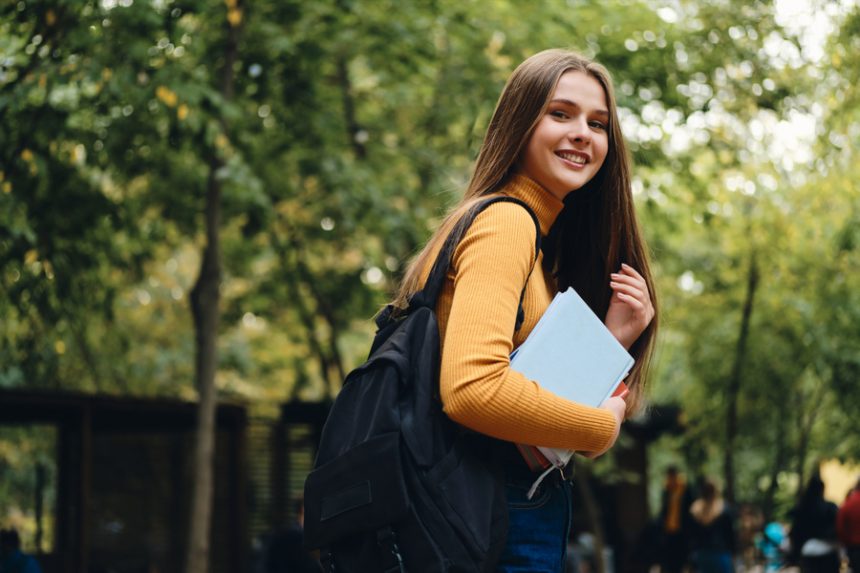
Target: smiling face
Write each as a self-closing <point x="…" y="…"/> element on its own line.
<point x="569" y="143"/>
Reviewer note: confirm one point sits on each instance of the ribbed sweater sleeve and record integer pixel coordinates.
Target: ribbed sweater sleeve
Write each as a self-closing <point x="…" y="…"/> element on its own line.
<point x="478" y="388"/>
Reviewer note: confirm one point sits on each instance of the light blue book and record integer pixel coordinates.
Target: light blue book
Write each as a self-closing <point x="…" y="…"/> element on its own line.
<point x="571" y="353"/>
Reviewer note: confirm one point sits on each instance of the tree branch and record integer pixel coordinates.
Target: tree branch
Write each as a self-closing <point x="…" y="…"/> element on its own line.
<point x="735" y="381"/>
<point x="353" y="129"/>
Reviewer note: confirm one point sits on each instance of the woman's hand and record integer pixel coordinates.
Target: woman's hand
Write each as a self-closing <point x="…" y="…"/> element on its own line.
<point x="630" y="309"/>
<point x="618" y="407"/>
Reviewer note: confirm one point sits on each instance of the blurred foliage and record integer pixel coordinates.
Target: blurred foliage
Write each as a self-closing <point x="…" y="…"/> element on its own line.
<point x="28" y="471"/>
<point x="353" y="127"/>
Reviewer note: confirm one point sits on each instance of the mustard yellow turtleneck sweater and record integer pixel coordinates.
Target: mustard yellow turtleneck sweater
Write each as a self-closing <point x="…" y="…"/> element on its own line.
<point x="477" y="311"/>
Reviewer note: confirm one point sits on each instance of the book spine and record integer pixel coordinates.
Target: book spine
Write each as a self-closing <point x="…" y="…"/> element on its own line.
<point x="534" y="458"/>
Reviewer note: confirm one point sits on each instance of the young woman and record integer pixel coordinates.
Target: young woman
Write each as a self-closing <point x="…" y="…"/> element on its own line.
<point x="555" y="143"/>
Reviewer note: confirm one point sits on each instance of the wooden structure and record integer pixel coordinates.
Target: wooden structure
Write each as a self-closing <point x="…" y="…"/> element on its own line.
<point x="123" y="478"/>
<point x="123" y="481"/>
<point x="280" y="454"/>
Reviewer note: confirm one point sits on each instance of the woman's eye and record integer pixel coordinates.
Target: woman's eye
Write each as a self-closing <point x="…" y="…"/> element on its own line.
<point x="598" y="125"/>
<point x="559" y="114"/>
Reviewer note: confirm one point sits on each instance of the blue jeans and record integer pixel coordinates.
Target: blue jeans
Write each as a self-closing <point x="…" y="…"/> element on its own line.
<point x="537" y="527"/>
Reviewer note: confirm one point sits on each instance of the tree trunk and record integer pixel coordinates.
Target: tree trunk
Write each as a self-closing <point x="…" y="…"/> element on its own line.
<point x="735" y="382"/>
<point x="592" y="512"/>
<point x="779" y="463"/>
<point x="308" y="320"/>
<point x="324" y="310"/>
<point x="205" y="308"/>
<point x="353" y="129"/>
<point x="41" y="483"/>
<point x="807" y="422"/>
<point x="297" y="276"/>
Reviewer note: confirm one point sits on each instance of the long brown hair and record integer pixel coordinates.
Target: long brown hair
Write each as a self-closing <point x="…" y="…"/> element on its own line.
<point x="596" y="231"/>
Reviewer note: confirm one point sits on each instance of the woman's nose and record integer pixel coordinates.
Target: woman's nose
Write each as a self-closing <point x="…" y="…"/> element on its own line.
<point x="579" y="130"/>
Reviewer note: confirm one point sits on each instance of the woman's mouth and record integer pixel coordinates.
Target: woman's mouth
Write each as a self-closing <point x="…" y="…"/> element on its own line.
<point x="576" y="158"/>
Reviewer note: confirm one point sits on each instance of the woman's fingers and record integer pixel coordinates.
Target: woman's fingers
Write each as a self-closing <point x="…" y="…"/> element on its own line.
<point x="637" y="299"/>
<point x="617" y="406"/>
<point x="629" y="290"/>
<point x="630" y="308"/>
<point x="625" y="268"/>
<point x="632" y="301"/>
<point x="628" y="275"/>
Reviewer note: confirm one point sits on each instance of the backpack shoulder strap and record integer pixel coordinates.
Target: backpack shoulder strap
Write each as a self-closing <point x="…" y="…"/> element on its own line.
<point x="435" y="281"/>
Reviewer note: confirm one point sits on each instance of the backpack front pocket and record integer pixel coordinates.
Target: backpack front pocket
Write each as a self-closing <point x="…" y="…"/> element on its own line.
<point x="359" y="491"/>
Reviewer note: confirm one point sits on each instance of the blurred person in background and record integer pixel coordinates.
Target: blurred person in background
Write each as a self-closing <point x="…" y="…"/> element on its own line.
<point x="712" y="532"/>
<point x="848" y="527"/>
<point x="674" y="519"/>
<point x="813" y="531"/>
<point x="772" y="545"/>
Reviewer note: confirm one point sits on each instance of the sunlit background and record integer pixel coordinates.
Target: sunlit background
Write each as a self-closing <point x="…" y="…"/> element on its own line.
<point x="337" y="133"/>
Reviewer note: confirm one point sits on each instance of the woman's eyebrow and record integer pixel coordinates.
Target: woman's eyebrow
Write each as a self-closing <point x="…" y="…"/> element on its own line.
<point x="565" y="101"/>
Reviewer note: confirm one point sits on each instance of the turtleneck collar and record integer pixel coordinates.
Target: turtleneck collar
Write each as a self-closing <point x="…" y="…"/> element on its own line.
<point x="545" y="205"/>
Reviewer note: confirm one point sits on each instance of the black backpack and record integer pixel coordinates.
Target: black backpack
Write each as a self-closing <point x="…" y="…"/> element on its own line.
<point x="397" y="486"/>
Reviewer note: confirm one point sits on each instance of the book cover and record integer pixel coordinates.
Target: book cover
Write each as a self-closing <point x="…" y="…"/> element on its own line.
<point x="571" y="353"/>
